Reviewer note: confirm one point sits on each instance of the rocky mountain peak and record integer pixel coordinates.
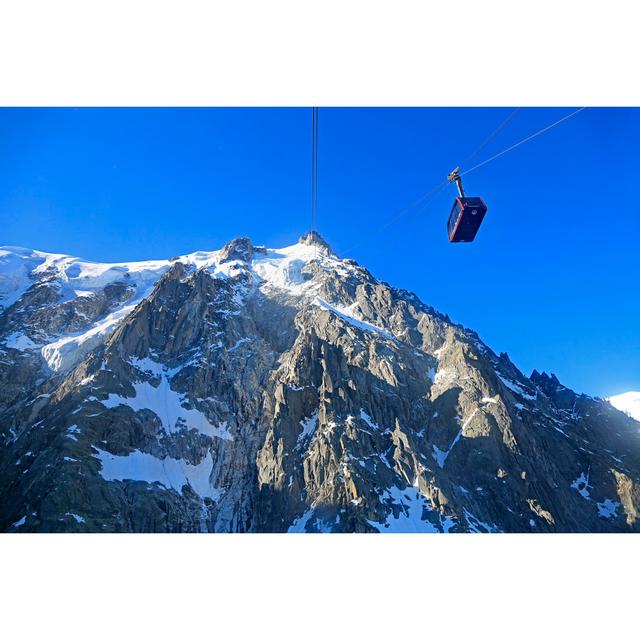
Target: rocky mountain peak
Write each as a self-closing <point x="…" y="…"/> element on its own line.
<point x="546" y="381"/>
<point x="314" y="239"/>
<point x="237" y="249"/>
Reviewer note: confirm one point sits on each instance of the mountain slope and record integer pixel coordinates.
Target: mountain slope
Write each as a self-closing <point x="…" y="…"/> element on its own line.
<point x="252" y="389"/>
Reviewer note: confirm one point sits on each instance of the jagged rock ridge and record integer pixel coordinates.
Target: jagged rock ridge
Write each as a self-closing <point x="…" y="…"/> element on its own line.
<point x="253" y="389"/>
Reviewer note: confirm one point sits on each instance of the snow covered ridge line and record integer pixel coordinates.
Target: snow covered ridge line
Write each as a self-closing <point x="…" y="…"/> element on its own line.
<point x="78" y="278"/>
<point x="347" y="314"/>
<point x="628" y="403"/>
<point x="20" y="267"/>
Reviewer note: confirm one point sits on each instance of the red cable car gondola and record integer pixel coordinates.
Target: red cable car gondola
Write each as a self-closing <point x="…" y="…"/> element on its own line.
<point x="466" y="215"/>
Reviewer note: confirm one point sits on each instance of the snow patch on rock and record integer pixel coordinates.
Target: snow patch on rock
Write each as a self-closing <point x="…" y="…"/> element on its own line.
<point x="20" y="342"/>
<point x="169" y="472"/>
<point x="412" y="505"/>
<point x="516" y="387"/>
<point x="167" y="404"/>
<point x="309" y="426"/>
<point x="348" y="315"/>
<point x="608" y="508"/>
<point x="581" y="485"/>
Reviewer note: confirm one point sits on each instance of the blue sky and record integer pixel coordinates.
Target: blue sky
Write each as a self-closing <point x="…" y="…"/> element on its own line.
<point x="553" y="277"/>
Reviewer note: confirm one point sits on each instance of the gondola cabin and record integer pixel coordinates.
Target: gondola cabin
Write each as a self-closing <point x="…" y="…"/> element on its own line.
<point x="465" y="219"/>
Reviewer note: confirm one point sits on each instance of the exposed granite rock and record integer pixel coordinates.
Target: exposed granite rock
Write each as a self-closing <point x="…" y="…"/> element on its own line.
<point x="629" y="494"/>
<point x="289" y="390"/>
<point x="237" y="249"/>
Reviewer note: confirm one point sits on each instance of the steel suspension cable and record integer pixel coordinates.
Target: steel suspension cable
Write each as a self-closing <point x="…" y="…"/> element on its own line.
<point x="314" y="168"/>
<point x="429" y="196"/>
<point x="527" y="139"/>
<point x="491" y="136"/>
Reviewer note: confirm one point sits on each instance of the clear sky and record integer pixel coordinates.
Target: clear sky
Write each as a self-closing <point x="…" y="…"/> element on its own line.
<point x="553" y="277"/>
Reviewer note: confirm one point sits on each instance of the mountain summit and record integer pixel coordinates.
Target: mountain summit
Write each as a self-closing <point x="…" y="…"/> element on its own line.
<point x="313" y="238"/>
<point x="252" y="389"/>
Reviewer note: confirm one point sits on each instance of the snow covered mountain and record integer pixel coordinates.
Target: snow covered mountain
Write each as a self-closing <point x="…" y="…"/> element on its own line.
<point x="254" y="389"/>
<point x="628" y="403"/>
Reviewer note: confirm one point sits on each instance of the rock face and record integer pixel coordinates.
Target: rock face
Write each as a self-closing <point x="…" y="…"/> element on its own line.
<point x="251" y="390"/>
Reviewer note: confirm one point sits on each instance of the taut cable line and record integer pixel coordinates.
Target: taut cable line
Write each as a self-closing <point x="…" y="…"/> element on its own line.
<point x="314" y="168"/>
<point x="527" y="139"/>
<point x="432" y="194"/>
